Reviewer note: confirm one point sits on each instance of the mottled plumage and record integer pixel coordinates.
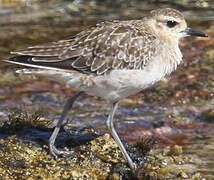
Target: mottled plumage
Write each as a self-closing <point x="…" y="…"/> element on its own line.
<point x="112" y="60"/>
<point x="108" y="46"/>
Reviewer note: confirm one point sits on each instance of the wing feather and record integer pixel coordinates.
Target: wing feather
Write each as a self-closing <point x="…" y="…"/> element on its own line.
<point x="110" y="45"/>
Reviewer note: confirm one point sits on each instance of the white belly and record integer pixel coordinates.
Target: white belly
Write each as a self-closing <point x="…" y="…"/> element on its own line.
<point x="113" y="86"/>
<point x="120" y="84"/>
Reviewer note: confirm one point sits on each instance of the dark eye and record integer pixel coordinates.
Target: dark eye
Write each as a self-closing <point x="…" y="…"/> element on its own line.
<point x="171" y="24"/>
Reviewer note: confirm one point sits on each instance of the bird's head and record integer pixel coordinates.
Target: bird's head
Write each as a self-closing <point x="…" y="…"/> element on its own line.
<point x="170" y="23"/>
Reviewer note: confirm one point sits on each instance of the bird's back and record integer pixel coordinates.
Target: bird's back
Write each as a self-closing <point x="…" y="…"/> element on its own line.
<point x="108" y="46"/>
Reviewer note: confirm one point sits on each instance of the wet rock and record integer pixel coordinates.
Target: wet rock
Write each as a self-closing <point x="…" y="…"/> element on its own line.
<point x="176" y="150"/>
<point x="23" y="160"/>
<point x="106" y="149"/>
<point x="99" y="159"/>
<point x="161" y="165"/>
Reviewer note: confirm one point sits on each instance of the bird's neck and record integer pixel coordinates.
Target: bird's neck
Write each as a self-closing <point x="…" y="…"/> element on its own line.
<point x="171" y="58"/>
<point x="165" y="61"/>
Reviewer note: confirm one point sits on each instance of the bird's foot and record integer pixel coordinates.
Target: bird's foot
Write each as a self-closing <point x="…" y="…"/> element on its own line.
<point x="55" y="152"/>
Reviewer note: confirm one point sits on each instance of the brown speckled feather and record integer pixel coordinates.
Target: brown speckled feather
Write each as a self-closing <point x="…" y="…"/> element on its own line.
<point x="109" y="45"/>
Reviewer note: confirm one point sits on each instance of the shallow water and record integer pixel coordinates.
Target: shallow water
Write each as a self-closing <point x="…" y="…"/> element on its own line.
<point x="174" y="110"/>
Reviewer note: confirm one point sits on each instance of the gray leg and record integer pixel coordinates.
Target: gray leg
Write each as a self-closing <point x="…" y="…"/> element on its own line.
<point x="68" y="105"/>
<point x="111" y="128"/>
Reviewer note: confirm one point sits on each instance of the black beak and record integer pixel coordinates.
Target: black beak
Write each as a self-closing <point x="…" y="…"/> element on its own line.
<point x="192" y="32"/>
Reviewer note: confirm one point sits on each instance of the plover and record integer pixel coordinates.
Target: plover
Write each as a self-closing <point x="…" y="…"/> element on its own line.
<point x="112" y="60"/>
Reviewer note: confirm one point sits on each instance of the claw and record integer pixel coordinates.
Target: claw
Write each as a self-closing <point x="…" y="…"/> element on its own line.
<point x="55" y="152"/>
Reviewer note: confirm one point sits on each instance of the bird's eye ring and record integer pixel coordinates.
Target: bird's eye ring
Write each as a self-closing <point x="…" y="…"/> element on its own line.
<point x="171" y="24"/>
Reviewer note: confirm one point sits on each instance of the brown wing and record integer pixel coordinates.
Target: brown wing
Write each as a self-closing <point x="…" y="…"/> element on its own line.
<point x="110" y="45"/>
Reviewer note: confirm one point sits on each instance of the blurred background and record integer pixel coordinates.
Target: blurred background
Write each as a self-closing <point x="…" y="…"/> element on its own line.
<point x="179" y="109"/>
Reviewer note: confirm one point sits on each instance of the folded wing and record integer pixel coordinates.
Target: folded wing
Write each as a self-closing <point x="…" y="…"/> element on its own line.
<point x="108" y="46"/>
